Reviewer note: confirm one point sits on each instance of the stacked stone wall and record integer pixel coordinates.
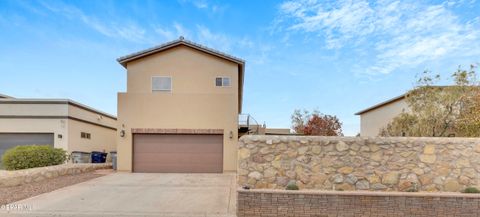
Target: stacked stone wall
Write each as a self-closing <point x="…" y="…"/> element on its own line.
<point x="21" y="177"/>
<point x="358" y="163"/>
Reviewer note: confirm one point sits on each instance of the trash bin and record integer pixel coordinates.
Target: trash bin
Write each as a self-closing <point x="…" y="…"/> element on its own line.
<point x="113" y="154"/>
<point x="99" y="157"/>
<point x="80" y="157"/>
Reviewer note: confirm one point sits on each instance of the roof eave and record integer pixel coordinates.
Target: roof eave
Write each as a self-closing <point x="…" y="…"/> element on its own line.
<point x="381" y="104"/>
<point x="240" y="87"/>
<point x="137" y="55"/>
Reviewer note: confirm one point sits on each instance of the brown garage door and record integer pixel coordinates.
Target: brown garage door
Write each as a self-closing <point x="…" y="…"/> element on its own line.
<point x="166" y="153"/>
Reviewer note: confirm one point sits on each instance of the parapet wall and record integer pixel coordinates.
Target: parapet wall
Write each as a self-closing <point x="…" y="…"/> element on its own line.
<point x="359" y="163"/>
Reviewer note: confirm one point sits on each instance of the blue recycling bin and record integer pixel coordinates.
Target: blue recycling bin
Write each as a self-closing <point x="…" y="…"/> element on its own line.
<point x="99" y="157"/>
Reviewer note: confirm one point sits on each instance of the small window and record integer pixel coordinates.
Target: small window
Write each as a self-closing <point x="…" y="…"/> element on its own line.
<point x="222" y="81"/>
<point x="84" y="135"/>
<point x="218" y="82"/>
<point x="160" y="83"/>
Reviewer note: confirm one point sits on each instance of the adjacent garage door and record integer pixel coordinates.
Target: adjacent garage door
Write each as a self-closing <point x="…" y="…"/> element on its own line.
<point x="9" y="140"/>
<point x="167" y="153"/>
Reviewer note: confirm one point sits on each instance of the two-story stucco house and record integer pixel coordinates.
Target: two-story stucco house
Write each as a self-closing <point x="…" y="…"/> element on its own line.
<point x="180" y="110"/>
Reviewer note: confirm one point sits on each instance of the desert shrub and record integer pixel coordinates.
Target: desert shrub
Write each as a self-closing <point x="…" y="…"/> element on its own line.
<point x="30" y="156"/>
<point x="292" y="186"/>
<point x="471" y="190"/>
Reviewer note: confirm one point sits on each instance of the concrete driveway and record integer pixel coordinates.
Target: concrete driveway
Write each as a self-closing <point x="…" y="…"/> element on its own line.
<point x="138" y="194"/>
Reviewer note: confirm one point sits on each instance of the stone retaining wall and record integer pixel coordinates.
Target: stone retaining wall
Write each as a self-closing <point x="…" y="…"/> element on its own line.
<point x="20" y="177"/>
<point x="357" y="163"/>
<point x="260" y="203"/>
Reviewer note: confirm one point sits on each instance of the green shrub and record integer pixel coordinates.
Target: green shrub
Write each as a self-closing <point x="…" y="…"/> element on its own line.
<point x="471" y="190"/>
<point x="30" y="156"/>
<point x="292" y="186"/>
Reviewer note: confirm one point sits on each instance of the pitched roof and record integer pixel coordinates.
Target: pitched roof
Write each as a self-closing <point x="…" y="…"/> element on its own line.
<point x="181" y="41"/>
<point x="381" y="104"/>
<point x="403" y="96"/>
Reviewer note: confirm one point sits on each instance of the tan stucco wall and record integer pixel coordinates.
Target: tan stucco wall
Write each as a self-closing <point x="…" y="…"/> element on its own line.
<point x="373" y="121"/>
<point x="102" y="139"/>
<point x="34" y="109"/>
<point x="83" y="114"/>
<point x="56" y="126"/>
<point x="194" y="103"/>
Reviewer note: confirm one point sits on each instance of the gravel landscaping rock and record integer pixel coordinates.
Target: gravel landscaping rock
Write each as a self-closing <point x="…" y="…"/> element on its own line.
<point x="12" y="194"/>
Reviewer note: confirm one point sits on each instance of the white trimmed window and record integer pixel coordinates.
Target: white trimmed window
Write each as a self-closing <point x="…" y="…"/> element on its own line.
<point x="222" y="81"/>
<point x="162" y="83"/>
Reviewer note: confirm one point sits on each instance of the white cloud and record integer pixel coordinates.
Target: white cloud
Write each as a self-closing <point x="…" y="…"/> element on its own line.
<point x="200" y="4"/>
<point x="126" y="30"/>
<point x="216" y="40"/>
<point x="165" y="33"/>
<point x="173" y="32"/>
<point x="204" y="5"/>
<point x="180" y="30"/>
<point x="397" y="33"/>
<point x="205" y="36"/>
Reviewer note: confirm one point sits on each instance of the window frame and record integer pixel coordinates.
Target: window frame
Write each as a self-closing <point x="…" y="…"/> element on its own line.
<point x="85" y="135"/>
<point x="223" y="83"/>
<point x="161" y="91"/>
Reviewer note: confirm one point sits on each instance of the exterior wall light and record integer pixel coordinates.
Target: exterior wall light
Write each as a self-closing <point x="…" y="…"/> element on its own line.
<point x="231" y="135"/>
<point x="122" y="133"/>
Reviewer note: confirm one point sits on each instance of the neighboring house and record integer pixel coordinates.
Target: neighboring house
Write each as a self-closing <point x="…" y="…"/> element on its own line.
<point x="264" y="130"/>
<point x="374" y="118"/>
<point x="61" y="123"/>
<point x="180" y="110"/>
<point x="2" y="96"/>
<point x="249" y="126"/>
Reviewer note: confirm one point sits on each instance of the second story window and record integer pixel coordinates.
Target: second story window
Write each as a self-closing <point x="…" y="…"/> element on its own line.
<point x="161" y="84"/>
<point x="222" y="81"/>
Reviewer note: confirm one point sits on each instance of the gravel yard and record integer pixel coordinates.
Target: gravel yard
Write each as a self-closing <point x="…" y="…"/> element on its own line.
<point x="12" y="194"/>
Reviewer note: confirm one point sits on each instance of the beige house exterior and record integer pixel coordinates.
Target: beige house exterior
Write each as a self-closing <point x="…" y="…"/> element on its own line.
<point x="58" y="122"/>
<point x="174" y="116"/>
<point x="374" y="118"/>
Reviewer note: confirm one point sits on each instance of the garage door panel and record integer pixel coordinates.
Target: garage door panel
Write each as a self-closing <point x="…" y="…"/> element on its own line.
<point x="178" y="148"/>
<point x="174" y="168"/>
<point x="179" y="157"/>
<point x="178" y="153"/>
<point x="9" y="140"/>
<point x="178" y="143"/>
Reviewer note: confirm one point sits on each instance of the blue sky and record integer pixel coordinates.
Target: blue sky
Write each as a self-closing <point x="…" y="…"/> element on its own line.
<point x="335" y="56"/>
